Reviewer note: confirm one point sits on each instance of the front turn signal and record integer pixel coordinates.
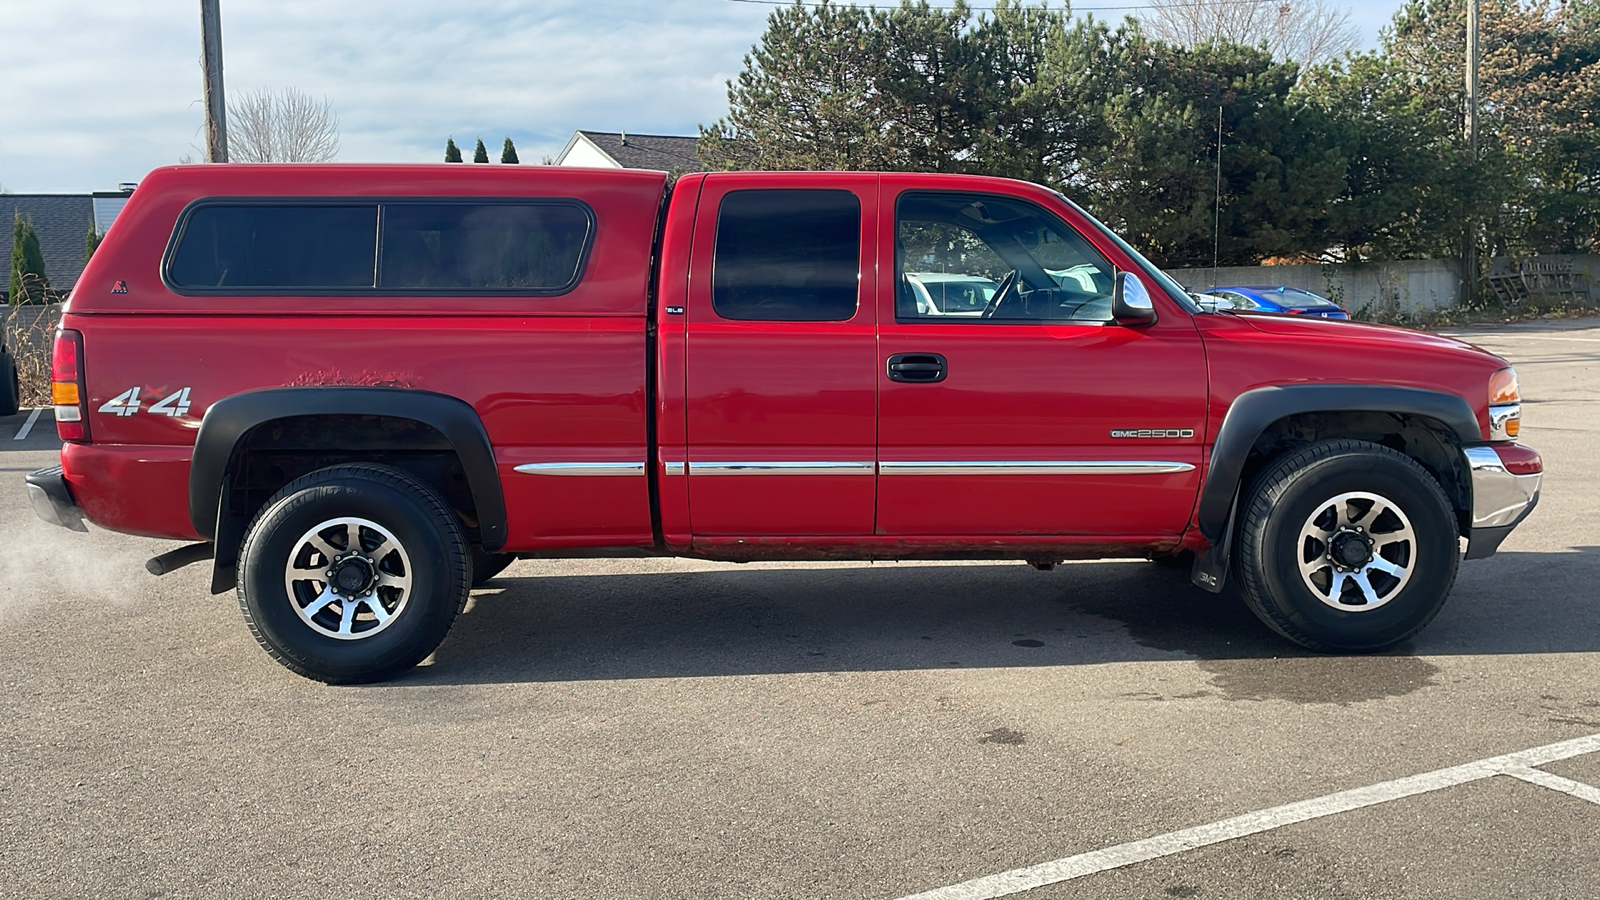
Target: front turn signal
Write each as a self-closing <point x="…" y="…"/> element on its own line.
<point x="1505" y="406"/>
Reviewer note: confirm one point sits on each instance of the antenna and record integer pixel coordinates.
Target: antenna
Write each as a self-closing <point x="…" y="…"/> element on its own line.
<point x="1216" y="221"/>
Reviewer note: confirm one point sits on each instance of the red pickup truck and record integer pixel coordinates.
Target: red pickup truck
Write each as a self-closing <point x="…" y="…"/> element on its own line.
<point x="364" y="388"/>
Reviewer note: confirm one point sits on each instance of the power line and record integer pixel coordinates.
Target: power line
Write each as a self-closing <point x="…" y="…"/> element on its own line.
<point x="993" y="8"/>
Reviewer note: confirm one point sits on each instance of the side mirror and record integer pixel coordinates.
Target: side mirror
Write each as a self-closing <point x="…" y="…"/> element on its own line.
<point x="1130" y="302"/>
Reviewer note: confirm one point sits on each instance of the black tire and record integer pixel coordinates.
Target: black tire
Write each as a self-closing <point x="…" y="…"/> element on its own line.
<point x="433" y="554"/>
<point x="1274" y="528"/>
<point x="10" y="389"/>
<point x="487" y="565"/>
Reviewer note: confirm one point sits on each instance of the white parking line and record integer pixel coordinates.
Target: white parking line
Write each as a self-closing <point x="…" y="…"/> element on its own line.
<point x="28" y="425"/>
<point x="1555" y="782"/>
<point x="1528" y="337"/>
<point x="1517" y="765"/>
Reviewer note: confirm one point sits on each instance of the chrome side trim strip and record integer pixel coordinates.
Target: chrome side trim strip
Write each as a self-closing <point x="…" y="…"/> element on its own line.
<point x="1034" y="467"/>
<point x="588" y="469"/>
<point x="673" y="468"/>
<point x="782" y="468"/>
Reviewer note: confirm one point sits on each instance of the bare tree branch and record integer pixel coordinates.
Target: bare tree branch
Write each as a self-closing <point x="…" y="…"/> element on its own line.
<point x="1305" y="31"/>
<point x="282" y="126"/>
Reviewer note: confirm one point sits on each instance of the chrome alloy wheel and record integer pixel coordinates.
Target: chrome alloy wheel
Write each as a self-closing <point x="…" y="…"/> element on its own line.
<point x="1357" y="551"/>
<point x="348" y="578"/>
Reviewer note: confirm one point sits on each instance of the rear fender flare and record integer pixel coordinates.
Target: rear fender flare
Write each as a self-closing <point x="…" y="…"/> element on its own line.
<point x="228" y="420"/>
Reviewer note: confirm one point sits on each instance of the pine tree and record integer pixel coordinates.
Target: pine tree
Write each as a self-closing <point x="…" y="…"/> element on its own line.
<point x="28" y="282"/>
<point x="91" y="241"/>
<point x="452" y="153"/>
<point x="508" y="153"/>
<point x="480" y="154"/>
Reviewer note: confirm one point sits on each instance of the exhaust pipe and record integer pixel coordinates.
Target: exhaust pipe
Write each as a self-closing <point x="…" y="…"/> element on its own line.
<point x="173" y="560"/>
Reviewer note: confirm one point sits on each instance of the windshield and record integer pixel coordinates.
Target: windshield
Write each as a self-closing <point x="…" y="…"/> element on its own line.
<point x="1173" y="289"/>
<point x="1301" y="299"/>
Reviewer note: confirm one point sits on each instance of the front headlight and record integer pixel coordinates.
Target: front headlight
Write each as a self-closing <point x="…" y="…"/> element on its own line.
<point x="1505" y="406"/>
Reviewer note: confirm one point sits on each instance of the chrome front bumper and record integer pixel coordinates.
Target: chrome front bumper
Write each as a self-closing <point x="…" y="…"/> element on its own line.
<point x="1501" y="499"/>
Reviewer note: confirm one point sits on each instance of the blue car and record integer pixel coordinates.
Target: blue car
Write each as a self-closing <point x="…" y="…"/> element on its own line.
<point x="1279" y="299"/>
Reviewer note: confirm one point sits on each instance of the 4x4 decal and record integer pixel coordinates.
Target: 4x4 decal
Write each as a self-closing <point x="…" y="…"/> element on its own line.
<point x="127" y="403"/>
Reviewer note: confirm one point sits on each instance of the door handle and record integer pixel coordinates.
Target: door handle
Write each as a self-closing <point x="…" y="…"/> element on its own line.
<point x="918" y="368"/>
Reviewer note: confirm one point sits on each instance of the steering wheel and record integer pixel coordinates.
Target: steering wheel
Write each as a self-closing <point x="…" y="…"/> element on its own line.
<point x="1006" y="285"/>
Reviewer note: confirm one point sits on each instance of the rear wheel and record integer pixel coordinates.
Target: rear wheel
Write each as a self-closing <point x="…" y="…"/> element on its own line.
<point x="1346" y="546"/>
<point x="353" y="573"/>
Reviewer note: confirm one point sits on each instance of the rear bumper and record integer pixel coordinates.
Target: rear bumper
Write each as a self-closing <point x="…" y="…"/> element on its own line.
<point x="1505" y="489"/>
<point x="52" y="499"/>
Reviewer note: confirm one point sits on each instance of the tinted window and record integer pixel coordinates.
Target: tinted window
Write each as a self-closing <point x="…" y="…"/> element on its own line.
<point x="532" y="247"/>
<point x="277" y="247"/>
<point x="789" y="256"/>
<point x="956" y="252"/>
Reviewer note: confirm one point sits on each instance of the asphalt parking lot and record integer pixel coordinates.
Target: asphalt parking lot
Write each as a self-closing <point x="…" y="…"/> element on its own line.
<point x="664" y="728"/>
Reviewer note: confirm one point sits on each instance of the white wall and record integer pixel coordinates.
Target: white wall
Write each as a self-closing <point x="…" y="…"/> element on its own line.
<point x="586" y="155"/>
<point x="1404" y="286"/>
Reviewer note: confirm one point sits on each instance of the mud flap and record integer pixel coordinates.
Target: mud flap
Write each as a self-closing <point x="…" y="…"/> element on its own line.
<point x="1210" y="569"/>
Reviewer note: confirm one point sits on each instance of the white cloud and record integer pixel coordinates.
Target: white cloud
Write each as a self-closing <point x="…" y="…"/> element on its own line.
<point x="100" y="91"/>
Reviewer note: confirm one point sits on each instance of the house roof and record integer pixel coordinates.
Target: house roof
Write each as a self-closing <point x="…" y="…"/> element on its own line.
<point x="668" y="153"/>
<point x="61" y="221"/>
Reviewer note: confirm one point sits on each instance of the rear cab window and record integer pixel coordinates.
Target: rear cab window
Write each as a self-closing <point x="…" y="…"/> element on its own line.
<point x="787" y="256"/>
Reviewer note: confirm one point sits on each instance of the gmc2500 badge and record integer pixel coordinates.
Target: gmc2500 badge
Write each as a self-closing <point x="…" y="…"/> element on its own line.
<point x="1152" y="432"/>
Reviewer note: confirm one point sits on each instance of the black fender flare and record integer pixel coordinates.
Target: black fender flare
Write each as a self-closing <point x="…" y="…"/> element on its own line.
<point x="231" y="418"/>
<point x="1253" y="411"/>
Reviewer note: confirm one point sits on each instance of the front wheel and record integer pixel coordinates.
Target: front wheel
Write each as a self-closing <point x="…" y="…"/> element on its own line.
<point x="1346" y="546"/>
<point x="353" y="573"/>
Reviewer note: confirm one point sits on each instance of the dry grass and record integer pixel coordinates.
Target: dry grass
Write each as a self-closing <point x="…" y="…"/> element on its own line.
<point x="30" y="332"/>
<point x="1488" y="314"/>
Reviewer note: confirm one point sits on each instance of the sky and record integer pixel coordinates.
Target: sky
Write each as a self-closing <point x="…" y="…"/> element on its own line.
<point x="97" y="92"/>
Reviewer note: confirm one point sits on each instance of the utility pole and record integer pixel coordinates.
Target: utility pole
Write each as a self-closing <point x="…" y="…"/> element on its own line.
<point x="1472" y="79"/>
<point x="216" y="100"/>
<point x="1216" y="216"/>
<point x="1469" y="244"/>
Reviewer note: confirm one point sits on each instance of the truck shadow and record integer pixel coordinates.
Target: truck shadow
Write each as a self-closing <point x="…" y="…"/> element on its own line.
<point x="759" y="621"/>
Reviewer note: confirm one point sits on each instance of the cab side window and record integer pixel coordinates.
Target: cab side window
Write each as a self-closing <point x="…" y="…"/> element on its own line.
<point x="975" y="257"/>
<point x="787" y="256"/>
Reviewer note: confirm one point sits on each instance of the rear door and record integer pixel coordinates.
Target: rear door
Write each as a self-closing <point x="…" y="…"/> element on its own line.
<point x="781" y="356"/>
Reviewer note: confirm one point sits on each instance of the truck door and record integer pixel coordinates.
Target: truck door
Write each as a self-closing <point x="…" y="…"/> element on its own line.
<point x="781" y="356"/>
<point x="1010" y="403"/>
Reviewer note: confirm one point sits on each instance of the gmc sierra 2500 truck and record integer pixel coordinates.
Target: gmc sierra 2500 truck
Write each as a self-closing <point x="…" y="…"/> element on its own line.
<point x="364" y="388"/>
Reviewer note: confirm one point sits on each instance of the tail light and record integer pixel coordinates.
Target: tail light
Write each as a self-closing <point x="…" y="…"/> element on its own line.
<point x="66" y="387"/>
